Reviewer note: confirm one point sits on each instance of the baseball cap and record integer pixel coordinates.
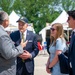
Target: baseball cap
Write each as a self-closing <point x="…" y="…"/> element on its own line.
<point x="23" y="19"/>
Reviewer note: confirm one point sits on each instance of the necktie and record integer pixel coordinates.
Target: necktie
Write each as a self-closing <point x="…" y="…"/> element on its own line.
<point x="72" y="38"/>
<point x="71" y="42"/>
<point x="23" y="41"/>
<point x="23" y="37"/>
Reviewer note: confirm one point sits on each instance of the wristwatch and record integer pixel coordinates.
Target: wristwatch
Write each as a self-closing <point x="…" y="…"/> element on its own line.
<point x="49" y="67"/>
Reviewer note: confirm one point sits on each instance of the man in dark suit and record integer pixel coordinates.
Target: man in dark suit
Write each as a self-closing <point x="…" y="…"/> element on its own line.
<point x="71" y="21"/>
<point x="25" y="63"/>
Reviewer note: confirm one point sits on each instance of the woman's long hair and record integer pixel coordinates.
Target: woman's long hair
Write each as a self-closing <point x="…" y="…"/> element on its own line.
<point x="60" y="33"/>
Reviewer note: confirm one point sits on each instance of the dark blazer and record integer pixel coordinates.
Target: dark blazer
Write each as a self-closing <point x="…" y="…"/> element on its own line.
<point x="48" y="44"/>
<point x="31" y="47"/>
<point x="72" y="53"/>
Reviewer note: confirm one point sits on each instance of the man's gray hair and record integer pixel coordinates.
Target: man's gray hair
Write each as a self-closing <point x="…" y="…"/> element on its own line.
<point x="3" y="16"/>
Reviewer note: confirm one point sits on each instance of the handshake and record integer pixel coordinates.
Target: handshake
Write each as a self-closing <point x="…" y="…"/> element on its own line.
<point x="25" y="55"/>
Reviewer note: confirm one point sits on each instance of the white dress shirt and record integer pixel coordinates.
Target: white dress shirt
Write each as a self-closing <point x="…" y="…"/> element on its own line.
<point x="24" y="35"/>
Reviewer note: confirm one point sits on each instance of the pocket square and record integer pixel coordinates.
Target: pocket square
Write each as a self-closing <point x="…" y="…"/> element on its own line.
<point x="30" y="41"/>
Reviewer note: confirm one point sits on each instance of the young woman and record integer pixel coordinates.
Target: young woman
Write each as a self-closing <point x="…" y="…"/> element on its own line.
<point x="57" y="45"/>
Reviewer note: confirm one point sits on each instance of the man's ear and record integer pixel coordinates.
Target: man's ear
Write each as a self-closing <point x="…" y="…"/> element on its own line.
<point x="4" y="23"/>
<point x="27" y="24"/>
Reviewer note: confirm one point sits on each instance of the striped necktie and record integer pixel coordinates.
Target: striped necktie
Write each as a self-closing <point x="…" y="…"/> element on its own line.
<point x="23" y="37"/>
<point x="23" y="41"/>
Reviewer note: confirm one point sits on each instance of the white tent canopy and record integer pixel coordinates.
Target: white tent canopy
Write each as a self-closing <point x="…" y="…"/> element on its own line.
<point x="13" y="25"/>
<point x="13" y="17"/>
<point x="62" y="18"/>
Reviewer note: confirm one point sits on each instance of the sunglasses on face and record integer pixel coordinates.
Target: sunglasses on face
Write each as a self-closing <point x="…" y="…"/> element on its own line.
<point x="53" y="29"/>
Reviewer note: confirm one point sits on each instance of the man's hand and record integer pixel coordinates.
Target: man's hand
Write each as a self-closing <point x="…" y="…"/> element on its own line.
<point x="25" y="55"/>
<point x="23" y="44"/>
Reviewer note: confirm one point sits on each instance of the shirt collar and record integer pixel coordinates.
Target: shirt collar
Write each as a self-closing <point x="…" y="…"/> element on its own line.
<point x="24" y="32"/>
<point x="74" y="30"/>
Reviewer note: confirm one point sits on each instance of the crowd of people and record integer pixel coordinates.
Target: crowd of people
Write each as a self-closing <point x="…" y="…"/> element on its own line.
<point x="19" y="48"/>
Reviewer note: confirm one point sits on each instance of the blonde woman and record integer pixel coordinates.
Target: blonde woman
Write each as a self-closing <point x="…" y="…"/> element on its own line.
<point x="57" y="45"/>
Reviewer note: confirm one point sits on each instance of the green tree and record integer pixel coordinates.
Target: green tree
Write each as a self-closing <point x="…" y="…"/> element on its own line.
<point x="38" y="12"/>
<point x="6" y="5"/>
<point x="68" y="4"/>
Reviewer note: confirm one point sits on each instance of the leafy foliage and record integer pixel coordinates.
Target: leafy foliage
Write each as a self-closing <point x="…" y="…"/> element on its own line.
<point x="38" y="12"/>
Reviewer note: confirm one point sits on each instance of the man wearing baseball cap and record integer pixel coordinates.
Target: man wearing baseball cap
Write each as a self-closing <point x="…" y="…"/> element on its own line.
<point x="25" y="63"/>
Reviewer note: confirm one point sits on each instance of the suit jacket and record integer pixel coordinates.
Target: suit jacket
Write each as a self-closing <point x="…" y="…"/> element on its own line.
<point x="72" y="53"/>
<point x="48" y="44"/>
<point x="31" y="47"/>
<point x="8" y="54"/>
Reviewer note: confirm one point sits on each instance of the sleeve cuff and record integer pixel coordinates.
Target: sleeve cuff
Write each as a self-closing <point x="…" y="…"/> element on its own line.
<point x="30" y="56"/>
